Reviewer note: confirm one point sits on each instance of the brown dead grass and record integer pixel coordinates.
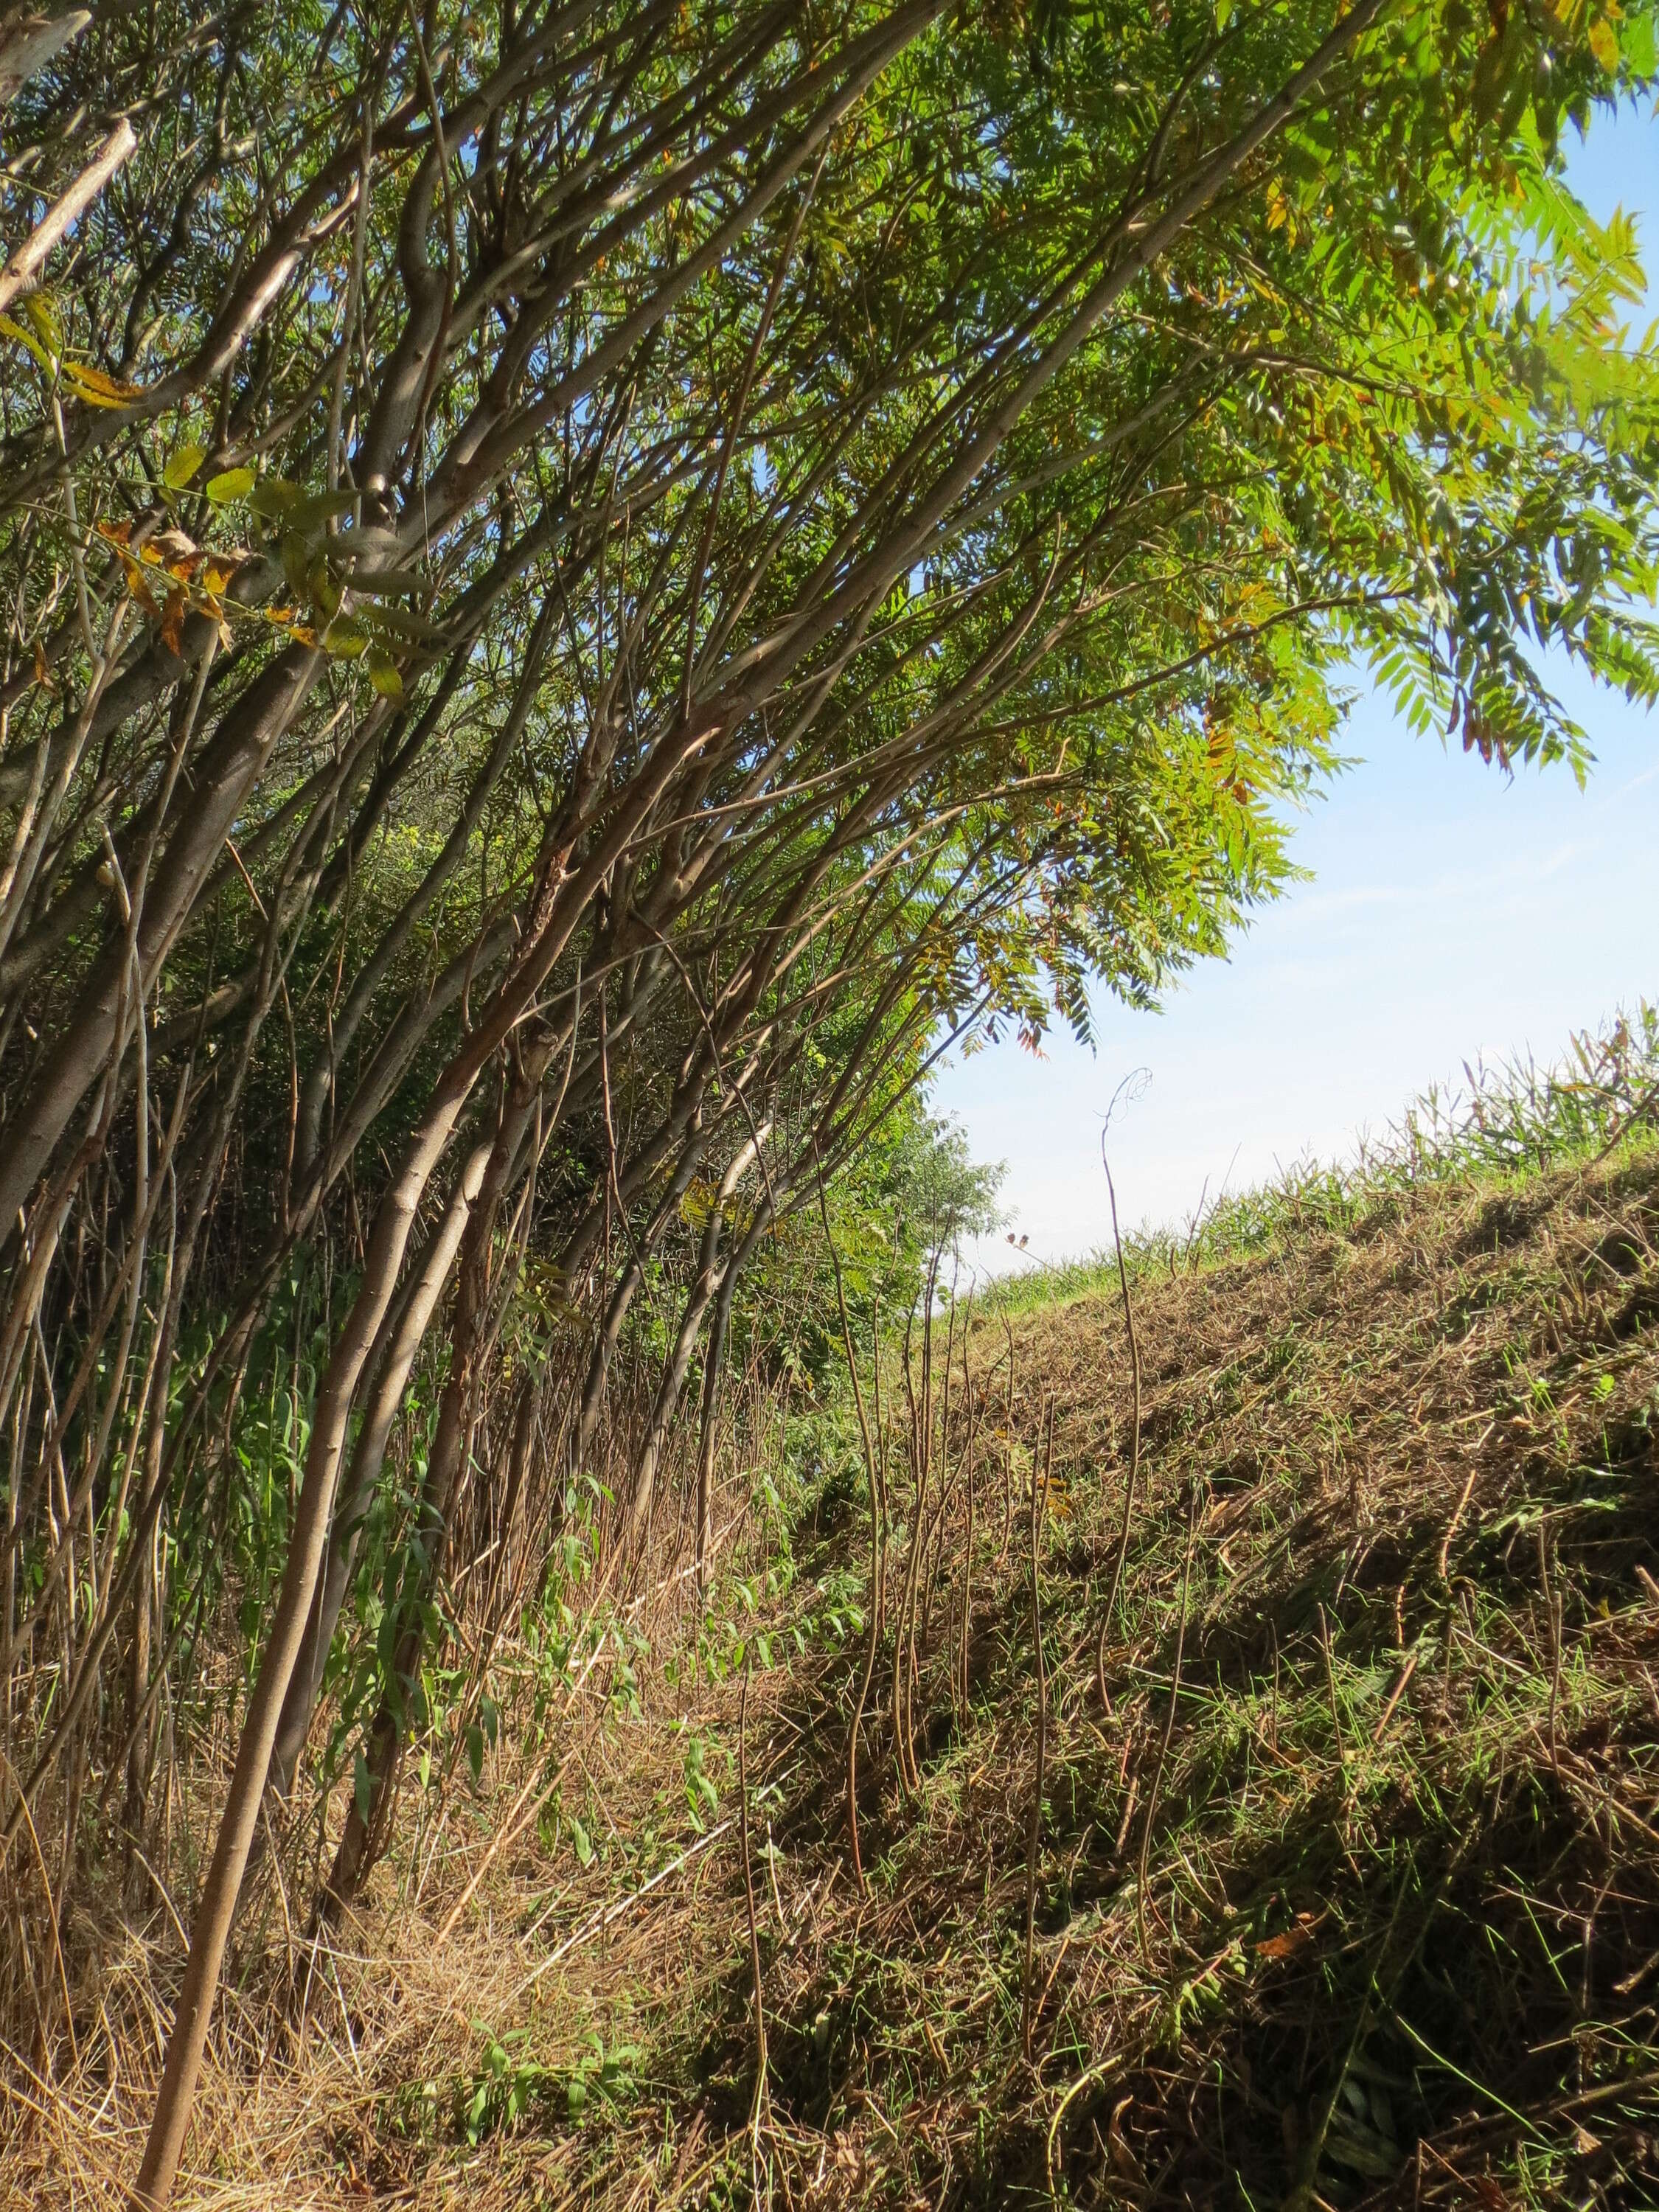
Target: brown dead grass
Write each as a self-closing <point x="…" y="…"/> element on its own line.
<point x="1398" y="1940"/>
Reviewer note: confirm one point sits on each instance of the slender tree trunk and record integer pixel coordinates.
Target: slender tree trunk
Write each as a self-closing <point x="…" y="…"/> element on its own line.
<point x="407" y="1329"/>
<point x="251" y="728"/>
<point x="672" y="1386"/>
<point x="393" y="1221"/>
<point x="367" y="1826"/>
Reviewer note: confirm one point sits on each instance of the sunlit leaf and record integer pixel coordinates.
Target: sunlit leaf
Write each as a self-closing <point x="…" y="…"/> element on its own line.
<point x="229" y="484"/>
<point x="42" y="309"/>
<point x="1604" y="45"/>
<point x="97" y="389"/>
<point x="14" y="330"/>
<point x="183" y="466"/>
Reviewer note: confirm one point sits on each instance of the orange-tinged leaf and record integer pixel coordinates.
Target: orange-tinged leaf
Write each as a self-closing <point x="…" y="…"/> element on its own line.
<point x="173" y="622"/>
<point x="96" y="388"/>
<point x="139" y="590"/>
<point x="1282" y="1946"/>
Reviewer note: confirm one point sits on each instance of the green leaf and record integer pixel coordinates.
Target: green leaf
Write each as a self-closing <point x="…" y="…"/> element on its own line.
<point x="398" y="622"/>
<point x="383" y="673"/>
<point x="310" y="510"/>
<point x="580" y="1841"/>
<point x="324" y="587"/>
<point x="229" y="484"/>
<point x="296" y="563"/>
<point x="182" y="467"/>
<point x="363" y="1788"/>
<point x="344" y="638"/>
<point x="1639" y="46"/>
<point x="272" y="496"/>
<point x="384" y="583"/>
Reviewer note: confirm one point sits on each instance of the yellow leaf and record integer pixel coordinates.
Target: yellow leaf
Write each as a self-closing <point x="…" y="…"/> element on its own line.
<point x="182" y="467"/>
<point x="1604" y="45"/>
<point x="14" y="330"/>
<point x="42" y="311"/>
<point x="97" y="389"/>
<point x="228" y="484"/>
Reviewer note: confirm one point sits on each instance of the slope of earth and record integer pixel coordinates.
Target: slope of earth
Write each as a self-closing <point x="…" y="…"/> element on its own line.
<point x="1322" y="1870"/>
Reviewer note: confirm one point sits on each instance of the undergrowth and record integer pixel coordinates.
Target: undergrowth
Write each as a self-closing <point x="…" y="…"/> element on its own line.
<point x="1347" y="1894"/>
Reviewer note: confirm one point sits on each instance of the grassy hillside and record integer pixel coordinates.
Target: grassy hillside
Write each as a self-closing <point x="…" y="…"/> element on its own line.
<point x="1346" y="1894"/>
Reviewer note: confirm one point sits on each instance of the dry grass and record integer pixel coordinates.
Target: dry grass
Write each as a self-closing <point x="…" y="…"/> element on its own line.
<point x="1397" y="1940"/>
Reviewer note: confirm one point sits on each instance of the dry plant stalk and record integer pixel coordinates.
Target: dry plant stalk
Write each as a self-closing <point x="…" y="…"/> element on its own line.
<point x="1034" y="1828"/>
<point x="1130" y="1486"/>
<point x="758" y="2112"/>
<point x="872" y="1471"/>
<point x="1008" y="1455"/>
<point x="968" y="1541"/>
<point x="1169" y="1729"/>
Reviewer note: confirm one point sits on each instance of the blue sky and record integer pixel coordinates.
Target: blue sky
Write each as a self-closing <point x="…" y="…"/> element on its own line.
<point x="1451" y="914"/>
